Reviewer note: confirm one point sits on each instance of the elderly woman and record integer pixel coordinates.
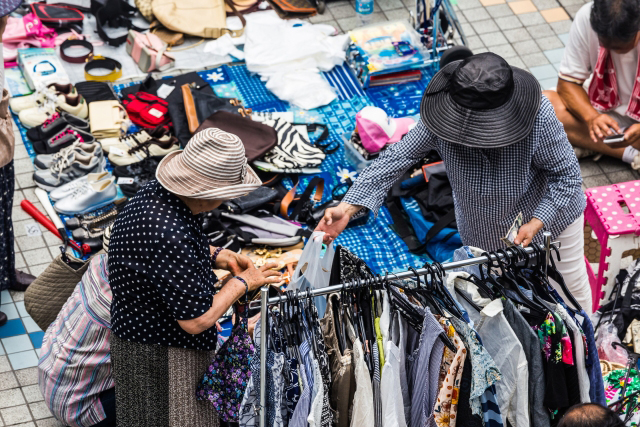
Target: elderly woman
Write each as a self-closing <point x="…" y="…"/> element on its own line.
<point x="164" y="308"/>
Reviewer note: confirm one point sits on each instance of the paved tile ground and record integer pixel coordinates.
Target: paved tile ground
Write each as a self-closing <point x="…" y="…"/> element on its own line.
<point x="528" y="33"/>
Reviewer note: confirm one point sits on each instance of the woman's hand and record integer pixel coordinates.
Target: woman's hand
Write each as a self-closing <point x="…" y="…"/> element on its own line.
<point x="231" y="261"/>
<point x="528" y="231"/>
<point x="258" y="277"/>
<point x="335" y="220"/>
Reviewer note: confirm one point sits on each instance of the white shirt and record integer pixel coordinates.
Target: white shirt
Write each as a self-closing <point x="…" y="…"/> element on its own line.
<point x="390" y="388"/>
<point x="505" y="349"/>
<point x="581" y="55"/>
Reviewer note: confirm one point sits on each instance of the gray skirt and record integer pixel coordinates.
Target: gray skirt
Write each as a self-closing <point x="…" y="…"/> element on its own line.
<point x="155" y="385"/>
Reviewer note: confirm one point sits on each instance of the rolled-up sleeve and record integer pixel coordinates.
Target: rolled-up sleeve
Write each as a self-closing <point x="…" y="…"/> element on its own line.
<point x="556" y="158"/>
<point x="371" y="187"/>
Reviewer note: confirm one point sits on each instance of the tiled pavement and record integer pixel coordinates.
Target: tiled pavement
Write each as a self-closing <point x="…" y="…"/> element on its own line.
<point x="528" y="33"/>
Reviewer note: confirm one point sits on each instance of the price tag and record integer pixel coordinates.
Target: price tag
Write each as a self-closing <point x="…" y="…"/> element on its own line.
<point x="33" y="230"/>
<point x="155" y="113"/>
<point x="123" y="180"/>
<point x="117" y="151"/>
<point x="165" y="90"/>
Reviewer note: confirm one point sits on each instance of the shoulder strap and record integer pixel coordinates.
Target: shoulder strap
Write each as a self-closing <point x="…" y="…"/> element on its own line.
<point x="402" y="226"/>
<point x="115" y="13"/>
<point x="236" y="33"/>
<point x="441" y="224"/>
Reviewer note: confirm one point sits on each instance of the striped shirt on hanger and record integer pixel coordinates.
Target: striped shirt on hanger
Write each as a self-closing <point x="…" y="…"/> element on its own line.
<point x="75" y="361"/>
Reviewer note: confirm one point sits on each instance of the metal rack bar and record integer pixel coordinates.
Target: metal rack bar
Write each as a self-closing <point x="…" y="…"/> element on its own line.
<point x="265" y="302"/>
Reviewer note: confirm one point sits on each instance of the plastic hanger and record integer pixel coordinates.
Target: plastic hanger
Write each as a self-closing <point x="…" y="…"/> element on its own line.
<point x="534" y="305"/>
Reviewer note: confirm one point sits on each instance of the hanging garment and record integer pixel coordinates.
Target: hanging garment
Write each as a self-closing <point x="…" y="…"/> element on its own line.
<point x="446" y="408"/>
<point x="596" y="385"/>
<point x="465" y="417"/>
<point x="226" y="379"/>
<point x="505" y="349"/>
<point x="570" y="367"/>
<point x="315" y="413"/>
<point x="342" y="373"/>
<point x="301" y="413"/>
<point x="539" y="415"/>
<point x="375" y="384"/>
<point x="398" y="336"/>
<point x="275" y="387"/>
<point x="325" y="371"/>
<point x="363" y="413"/>
<point x="425" y="371"/>
<point x="613" y="383"/>
<point x="485" y="373"/>
<point x="578" y="346"/>
<point x="391" y="388"/>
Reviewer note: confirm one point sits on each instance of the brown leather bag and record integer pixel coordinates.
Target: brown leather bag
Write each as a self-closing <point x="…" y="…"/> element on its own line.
<point x="257" y="138"/>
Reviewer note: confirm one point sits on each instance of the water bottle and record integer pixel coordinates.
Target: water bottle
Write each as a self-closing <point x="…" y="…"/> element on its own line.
<point x="364" y="9"/>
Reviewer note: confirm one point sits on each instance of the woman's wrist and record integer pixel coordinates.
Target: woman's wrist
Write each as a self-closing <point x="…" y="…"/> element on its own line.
<point x="215" y="254"/>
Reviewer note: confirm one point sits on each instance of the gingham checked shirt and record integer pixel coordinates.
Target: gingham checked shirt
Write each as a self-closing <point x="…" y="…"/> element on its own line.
<point x="538" y="176"/>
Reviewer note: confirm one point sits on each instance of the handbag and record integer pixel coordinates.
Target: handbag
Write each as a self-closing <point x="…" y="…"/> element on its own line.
<point x="93" y="91"/>
<point x="257" y="198"/>
<point x="58" y="16"/>
<point x="146" y="110"/>
<point x="288" y="9"/>
<point x="108" y="119"/>
<point x="257" y="138"/>
<point x="45" y="297"/>
<point x="149" y="52"/>
<point x="116" y="14"/>
<point x="146" y="9"/>
<point x="202" y="18"/>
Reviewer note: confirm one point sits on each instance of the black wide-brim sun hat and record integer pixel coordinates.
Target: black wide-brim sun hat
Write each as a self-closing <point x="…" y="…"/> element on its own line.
<point x="501" y="102"/>
<point x="8" y="6"/>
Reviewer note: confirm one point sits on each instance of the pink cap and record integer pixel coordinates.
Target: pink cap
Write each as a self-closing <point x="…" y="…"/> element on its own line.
<point x="377" y="129"/>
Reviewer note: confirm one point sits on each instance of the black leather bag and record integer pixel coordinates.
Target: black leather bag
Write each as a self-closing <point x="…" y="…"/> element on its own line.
<point x="115" y="14"/>
<point x="256" y="199"/>
<point x="58" y="16"/>
<point x="93" y="91"/>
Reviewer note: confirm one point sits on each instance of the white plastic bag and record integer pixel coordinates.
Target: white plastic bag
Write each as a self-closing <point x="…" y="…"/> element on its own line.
<point x="312" y="271"/>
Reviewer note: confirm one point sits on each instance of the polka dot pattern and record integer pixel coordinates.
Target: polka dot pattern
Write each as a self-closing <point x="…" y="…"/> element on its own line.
<point x="160" y="271"/>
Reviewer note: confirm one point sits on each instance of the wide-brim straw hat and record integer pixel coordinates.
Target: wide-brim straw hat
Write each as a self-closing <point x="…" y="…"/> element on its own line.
<point x="212" y="166"/>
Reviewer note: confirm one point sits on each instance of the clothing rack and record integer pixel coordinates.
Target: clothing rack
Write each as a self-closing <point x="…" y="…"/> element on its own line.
<point x="265" y="302"/>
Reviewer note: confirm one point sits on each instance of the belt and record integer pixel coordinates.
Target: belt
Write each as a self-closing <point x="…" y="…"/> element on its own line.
<point x="101" y="62"/>
<point x="72" y="43"/>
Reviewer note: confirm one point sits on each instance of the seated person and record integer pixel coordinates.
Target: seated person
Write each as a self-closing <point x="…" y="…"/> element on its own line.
<point x="74" y="372"/>
<point x="603" y="41"/>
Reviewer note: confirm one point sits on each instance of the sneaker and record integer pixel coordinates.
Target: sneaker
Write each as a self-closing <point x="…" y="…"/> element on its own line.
<point x="54" y="124"/>
<point x="74" y="166"/>
<point x="68" y="188"/>
<point x="581" y="153"/>
<point x="134" y="139"/>
<point x="88" y="197"/>
<point x="25" y="102"/>
<point x="138" y="168"/>
<point x="63" y="139"/>
<point x="36" y="116"/>
<point x="145" y="173"/>
<point x="45" y="161"/>
<point x="121" y="155"/>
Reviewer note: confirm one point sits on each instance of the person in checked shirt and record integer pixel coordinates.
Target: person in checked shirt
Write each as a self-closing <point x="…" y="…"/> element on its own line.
<point x="505" y="152"/>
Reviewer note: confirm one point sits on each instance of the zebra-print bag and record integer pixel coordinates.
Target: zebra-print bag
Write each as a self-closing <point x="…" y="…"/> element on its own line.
<point x="293" y="150"/>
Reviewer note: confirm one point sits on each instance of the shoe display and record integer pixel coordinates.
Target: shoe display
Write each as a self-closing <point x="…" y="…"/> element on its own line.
<point x="54" y="124"/>
<point x="74" y="166"/>
<point x="134" y="139"/>
<point x="66" y="137"/>
<point x="88" y="197"/>
<point x="66" y="189"/>
<point x="139" y="173"/>
<point x="23" y="280"/>
<point x="122" y="155"/>
<point x="45" y="161"/>
<point x="36" y="116"/>
<point x="30" y="101"/>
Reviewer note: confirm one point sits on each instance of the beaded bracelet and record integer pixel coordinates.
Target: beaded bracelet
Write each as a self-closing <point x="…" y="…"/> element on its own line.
<point x="215" y="254"/>
<point x="246" y="287"/>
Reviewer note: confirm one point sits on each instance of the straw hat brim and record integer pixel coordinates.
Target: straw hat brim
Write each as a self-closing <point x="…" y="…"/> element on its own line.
<point x="490" y="128"/>
<point x="177" y="177"/>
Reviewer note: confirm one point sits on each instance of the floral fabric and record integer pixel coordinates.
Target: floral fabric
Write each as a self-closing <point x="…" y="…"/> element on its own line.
<point x="227" y="377"/>
<point x="613" y="384"/>
<point x="446" y="408"/>
<point x="484" y="373"/>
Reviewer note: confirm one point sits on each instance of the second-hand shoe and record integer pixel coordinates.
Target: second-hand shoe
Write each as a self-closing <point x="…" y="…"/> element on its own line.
<point x="122" y="155"/>
<point x="54" y="124"/>
<point x="23" y="280"/>
<point x="88" y="197"/>
<point x="36" y="116"/>
<point x="63" y="139"/>
<point x="74" y="166"/>
<point x="45" y="161"/>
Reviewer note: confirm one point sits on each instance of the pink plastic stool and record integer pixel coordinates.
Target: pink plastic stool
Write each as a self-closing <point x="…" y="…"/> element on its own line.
<point x="613" y="212"/>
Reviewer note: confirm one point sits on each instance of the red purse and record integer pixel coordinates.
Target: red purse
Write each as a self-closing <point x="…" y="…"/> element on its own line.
<point x="146" y="110"/>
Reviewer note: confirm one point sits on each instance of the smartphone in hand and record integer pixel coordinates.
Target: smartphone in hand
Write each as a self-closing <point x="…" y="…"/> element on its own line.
<point x="614" y="139"/>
